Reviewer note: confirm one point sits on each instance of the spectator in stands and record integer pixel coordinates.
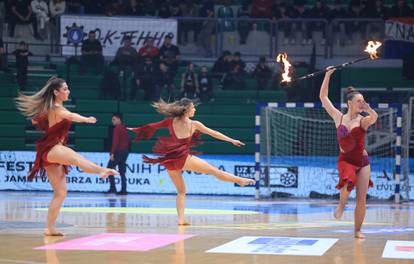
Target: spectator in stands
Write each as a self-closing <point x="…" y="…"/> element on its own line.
<point x="320" y="11"/>
<point x="56" y="9"/>
<point x="223" y="65"/>
<point x="134" y="8"/>
<point x="75" y="7"/>
<point x="114" y="8"/>
<point x="281" y="11"/>
<point x="165" y="80"/>
<point x="234" y="80"/>
<point x="206" y="5"/>
<point x="401" y="9"/>
<point x="3" y="57"/>
<point x="300" y="12"/>
<point x="206" y="32"/>
<point x="262" y="74"/>
<point x="189" y="82"/>
<point x="170" y="55"/>
<point x="225" y="11"/>
<point x="376" y="9"/>
<point x="175" y="9"/>
<point x="22" y="54"/>
<point x="148" y="49"/>
<point x="145" y="77"/>
<point x="119" y="153"/>
<point x="262" y="8"/>
<point x="126" y="56"/>
<point x="356" y="11"/>
<point x="188" y="10"/>
<point x="164" y="11"/>
<point x="150" y="8"/>
<point x="206" y="85"/>
<point x="21" y="13"/>
<point x="91" y="53"/>
<point x="236" y="60"/>
<point x="338" y="12"/>
<point x="41" y="10"/>
<point x="243" y="26"/>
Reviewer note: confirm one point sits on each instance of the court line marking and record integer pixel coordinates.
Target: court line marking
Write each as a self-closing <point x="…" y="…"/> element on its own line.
<point x="21" y="261"/>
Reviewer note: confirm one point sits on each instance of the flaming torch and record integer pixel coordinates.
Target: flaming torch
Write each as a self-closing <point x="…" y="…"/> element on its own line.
<point x="371" y="49"/>
<point x="282" y="58"/>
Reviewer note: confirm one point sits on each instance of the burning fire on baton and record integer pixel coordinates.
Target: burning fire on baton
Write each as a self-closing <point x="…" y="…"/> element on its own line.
<point x="371" y="49"/>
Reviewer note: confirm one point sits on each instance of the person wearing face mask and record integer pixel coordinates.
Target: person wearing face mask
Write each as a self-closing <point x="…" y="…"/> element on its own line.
<point x="353" y="165"/>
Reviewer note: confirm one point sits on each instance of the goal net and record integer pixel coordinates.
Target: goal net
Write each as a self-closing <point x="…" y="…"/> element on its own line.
<point x="298" y="150"/>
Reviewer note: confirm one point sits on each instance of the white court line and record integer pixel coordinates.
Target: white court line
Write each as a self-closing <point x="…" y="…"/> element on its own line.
<point x="19" y="261"/>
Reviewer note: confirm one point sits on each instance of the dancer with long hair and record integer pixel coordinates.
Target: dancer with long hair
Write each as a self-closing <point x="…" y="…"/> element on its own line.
<point x="353" y="164"/>
<point x="53" y="157"/>
<point x="175" y="151"/>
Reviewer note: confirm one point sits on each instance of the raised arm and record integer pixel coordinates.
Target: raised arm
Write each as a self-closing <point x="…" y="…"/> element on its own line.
<point x="369" y="120"/>
<point x="215" y="134"/>
<point x="74" y="117"/>
<point x="323" y="96"/>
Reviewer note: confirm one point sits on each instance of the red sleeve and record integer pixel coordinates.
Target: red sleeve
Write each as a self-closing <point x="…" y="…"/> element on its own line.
<point x="41" y="121"/>
<point x="147" y="131"/>
<point x="115" y="139"/>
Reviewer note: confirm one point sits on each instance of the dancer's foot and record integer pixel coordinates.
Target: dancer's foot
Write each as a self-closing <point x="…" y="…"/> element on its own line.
<point x="359" y="235"/>
<point x="183" y="223"/>
<point x="106" y="172"/>
<point x="338" y="213"/>
<point x="52" y="232"/>
<point x="245" y="181"/>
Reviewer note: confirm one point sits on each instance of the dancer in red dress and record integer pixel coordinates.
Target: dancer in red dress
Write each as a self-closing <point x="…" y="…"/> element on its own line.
<point x="353" y="164"/>
<point x="175" y="151"/>
<point x="52" y="155"/>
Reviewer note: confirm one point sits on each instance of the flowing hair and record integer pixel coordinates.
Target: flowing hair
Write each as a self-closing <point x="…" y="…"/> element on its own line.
<point x="174" y="109"/>
<point x="41" y="101"/>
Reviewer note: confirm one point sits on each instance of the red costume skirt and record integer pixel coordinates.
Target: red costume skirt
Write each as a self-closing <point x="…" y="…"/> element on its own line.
<point x="348" y="172"/>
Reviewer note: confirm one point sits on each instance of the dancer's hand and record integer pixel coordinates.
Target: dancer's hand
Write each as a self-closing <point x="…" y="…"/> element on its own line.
<point x="330" y="70"/>
<point x="91" y="120"/>
<point x="237" y="143"/>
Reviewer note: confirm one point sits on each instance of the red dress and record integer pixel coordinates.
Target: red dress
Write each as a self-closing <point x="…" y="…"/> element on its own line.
<point x="56" y="134"/>
<point x="351" y="157"/>
<point x="172" y="151"/>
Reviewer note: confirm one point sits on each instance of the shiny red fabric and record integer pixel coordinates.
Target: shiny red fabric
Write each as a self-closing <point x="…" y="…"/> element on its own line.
<point x="351" y="158"/>
<point x="172" y="151"/>
<point x="56" y="134"/>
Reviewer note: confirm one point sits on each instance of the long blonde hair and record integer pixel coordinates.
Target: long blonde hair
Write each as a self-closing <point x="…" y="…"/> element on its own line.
<point x="42" y="101"/>
<point x="174" y="109"/>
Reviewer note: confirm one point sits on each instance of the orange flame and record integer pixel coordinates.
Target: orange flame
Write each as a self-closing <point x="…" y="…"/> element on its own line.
<point x="372" y="49"/>
<point x="282" y="57"/>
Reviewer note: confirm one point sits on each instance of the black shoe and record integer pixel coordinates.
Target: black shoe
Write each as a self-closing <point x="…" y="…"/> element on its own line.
<point x="122" y="193"/>
<point x="111" y="190"/>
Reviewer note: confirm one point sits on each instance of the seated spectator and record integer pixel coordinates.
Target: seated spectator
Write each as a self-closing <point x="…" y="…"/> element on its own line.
<point x="22" y="62"/>
<point x="320" y="11"/>
<point x="170" y="55"/>
<point x="41" y="11"/>
<point x="3" y="57"/>
<point x="338" y="12"/>
<point x="56" y="8"/>
<point x="22" y="13"/>
<point x="148" y="49"/>
<point x="206" y="32"/>
<point x="236" y="60"/>
<point x="134" y="8"/>
<point x="262" y="74"/>
<point x="145" y="77"/>
<point x="189" y="82"/>
<point x="165" y="80"/>
<point x="205" y="85"/>
<point x="262" y="8"/>
<point x="298" y="12"/>
<point x="243" y="26"/>
<point x="91" y="53"/>
<point x="281" y="11"/>
<point x="126" y="56"/>
<point x="225" y="11"/>
<point x="234" y="80"/>
<point x="401" y="9"/>
<point x="223" y="65"/>
<point x="164" y="11"/>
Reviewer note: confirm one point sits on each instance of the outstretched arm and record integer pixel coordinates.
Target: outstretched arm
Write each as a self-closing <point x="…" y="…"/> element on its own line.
<point x="323" y="96"/>
<point x="369" y="120"/>
<point x="74" y="117"/>
<point x="215" y="134"/>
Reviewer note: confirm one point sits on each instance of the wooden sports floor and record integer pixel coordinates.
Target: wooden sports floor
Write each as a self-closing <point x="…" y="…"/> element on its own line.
<point x="103" y="228"/>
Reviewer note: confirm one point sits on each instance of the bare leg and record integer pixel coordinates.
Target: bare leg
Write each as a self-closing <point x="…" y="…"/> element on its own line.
<point x="177" y="179"/>
<point x="343" y="197"/>
<point x="361" y="199"/>
<point x="63" y="155"/>
<point x="196" y="164"/>
<point x="57" y="179"/>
